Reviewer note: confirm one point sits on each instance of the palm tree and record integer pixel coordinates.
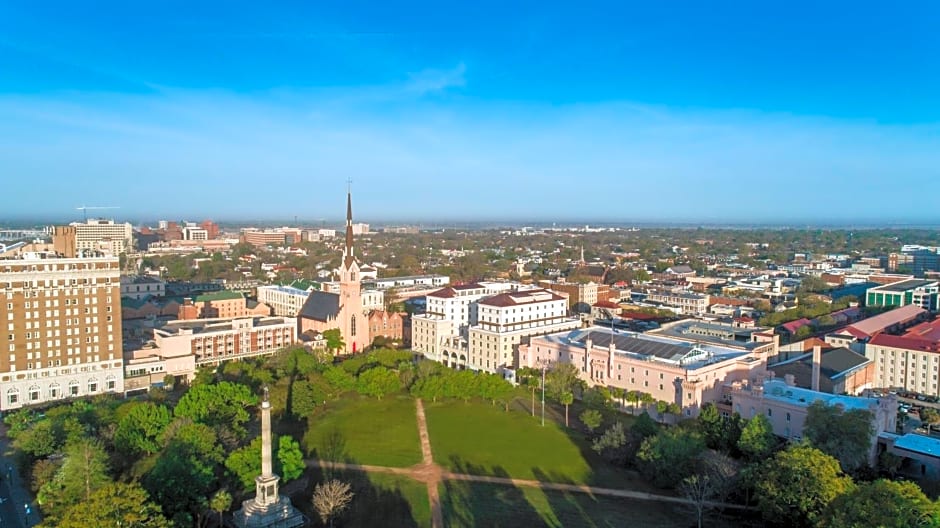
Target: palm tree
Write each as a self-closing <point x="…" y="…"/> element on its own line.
<point x="220" y="502"/>
<point x="646" y="399"/>
<point x="566" y="399"/>
<point x="661" y="408"/>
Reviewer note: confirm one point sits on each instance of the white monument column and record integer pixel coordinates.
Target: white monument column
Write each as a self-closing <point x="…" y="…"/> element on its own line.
<point x="266" y="482"/>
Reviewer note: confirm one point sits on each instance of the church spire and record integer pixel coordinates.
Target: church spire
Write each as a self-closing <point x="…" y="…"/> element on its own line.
<point x="348" y="253"/>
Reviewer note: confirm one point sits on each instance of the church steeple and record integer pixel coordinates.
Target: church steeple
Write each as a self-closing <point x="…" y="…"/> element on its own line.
<point x="348" y="257"/>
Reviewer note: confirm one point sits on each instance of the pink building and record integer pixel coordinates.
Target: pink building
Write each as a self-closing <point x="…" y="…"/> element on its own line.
<point x="682" y="372"/>
<point x="786" y="407"/>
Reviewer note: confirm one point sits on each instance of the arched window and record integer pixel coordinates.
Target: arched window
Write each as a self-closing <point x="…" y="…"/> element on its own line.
<point x="352" y="326"/>
<point x="34" y="393"/>
<point x="73" y="388"/>
<point x="13" y="396"/>
<point x="55" y="391"/>
<point x="93" y="385"/>
<point x="110" y="383"/>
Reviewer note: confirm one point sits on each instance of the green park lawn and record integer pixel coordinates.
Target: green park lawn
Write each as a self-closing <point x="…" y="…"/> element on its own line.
<point x="482" y="439"/>
<point x="387" y="500"/>
<point x="377" y="432"/>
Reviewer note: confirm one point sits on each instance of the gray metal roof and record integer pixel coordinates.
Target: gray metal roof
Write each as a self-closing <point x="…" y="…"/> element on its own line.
<point x="320" y="306"/>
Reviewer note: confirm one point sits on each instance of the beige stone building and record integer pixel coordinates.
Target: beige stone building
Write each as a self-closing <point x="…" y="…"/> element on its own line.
<point x="93" y="236"/>
<point x="62" y="335"/>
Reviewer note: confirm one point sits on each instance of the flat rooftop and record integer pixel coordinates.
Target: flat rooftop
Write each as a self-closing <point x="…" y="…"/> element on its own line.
<point x="202" y="326"/>
<point x="712" y="333"/>
<point x="290" y="290"/>
<point x="915" y="443"/>
<point x="904" y="286"/>
<point x="780" y="391"/>
<point x="650" y="347"/>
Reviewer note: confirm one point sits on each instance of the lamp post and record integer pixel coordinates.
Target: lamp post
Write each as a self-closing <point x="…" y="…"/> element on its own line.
<point x="543" y="395"/>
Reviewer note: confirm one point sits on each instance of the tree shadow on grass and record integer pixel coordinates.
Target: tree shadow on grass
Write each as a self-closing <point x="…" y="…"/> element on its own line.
<point x="372" y="504"/>
<point x="473" y="504"/>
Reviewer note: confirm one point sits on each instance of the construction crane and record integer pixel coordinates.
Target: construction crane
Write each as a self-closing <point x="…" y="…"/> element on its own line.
<point x="84" y="209"/>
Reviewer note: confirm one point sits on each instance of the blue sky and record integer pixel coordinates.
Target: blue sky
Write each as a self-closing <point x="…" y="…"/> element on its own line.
<point x="621" y="111"/>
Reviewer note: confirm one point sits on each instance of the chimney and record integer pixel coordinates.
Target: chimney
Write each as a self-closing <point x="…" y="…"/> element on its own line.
<point x="817" y="359"/>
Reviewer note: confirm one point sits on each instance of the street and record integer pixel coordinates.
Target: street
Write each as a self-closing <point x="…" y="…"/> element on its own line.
<point x="14" y="496"/>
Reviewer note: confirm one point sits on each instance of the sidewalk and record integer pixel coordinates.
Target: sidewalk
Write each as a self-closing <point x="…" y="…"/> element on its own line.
<point x="14" y="490"/>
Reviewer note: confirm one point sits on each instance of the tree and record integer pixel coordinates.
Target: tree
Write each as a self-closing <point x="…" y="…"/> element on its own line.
<point x="84" y="471"/>
<point x="670" y="456"/>
<point x="611" y="444"/>
<point x="712" y="483"/>
<point x="334" y="339"/>
<point x="698" y="490"/>
<point x="340" y="380"/>
<point x="183" y="475"/>
<point x="882" y="503"/>
<point x="140" y="429"/>
<point x="245" y="463"/>
<point x="797" y="484"/>
<point x="635" y="396"/>
<point x="591" y="419"/>
<point x="220" y="502"/>
<point x="757" y="438"/>
<point x="929" y="417"/>
<point x="661" y="408"/>
<point x="378" y="382"/>
<point x="304" y="397"/>
<point x="561" y="378"/>
<point x="330" y="499"/>
<point x="844" y="435"/>
<point x="566" y="399"/>
<point x="115" y="504"/>
<point x="222" y="404"/>
<point x="712" y="425"/>
<point x="39" y="440"/>
<point x="290" y="457"/>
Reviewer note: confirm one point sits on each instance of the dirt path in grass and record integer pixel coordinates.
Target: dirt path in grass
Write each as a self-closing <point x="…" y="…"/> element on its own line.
<point x="428" y="471"/>
<point x="423" y="473"/>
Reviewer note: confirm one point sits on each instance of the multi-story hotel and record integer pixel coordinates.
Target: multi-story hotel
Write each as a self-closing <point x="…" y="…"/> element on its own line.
<point x="449" y="314"/>
<point x="505" y="320"/>
<point x="93" y="236"/>
<point x="63" y="328"/>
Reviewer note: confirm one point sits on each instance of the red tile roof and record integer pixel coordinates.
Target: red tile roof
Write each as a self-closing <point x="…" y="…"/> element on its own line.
<point x="520" y="298"/>
<point x="905" y="342"/>
<point x="793" y="326"/>
<point x="929" y="331"/>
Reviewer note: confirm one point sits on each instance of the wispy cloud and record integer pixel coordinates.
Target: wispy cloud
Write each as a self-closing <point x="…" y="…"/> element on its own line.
<point x="493" y="160"/>
<point x="434" y="81"/>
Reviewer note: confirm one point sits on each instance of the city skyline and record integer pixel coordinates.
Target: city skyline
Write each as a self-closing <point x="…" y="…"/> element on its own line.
<point x="627" y="114"/>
